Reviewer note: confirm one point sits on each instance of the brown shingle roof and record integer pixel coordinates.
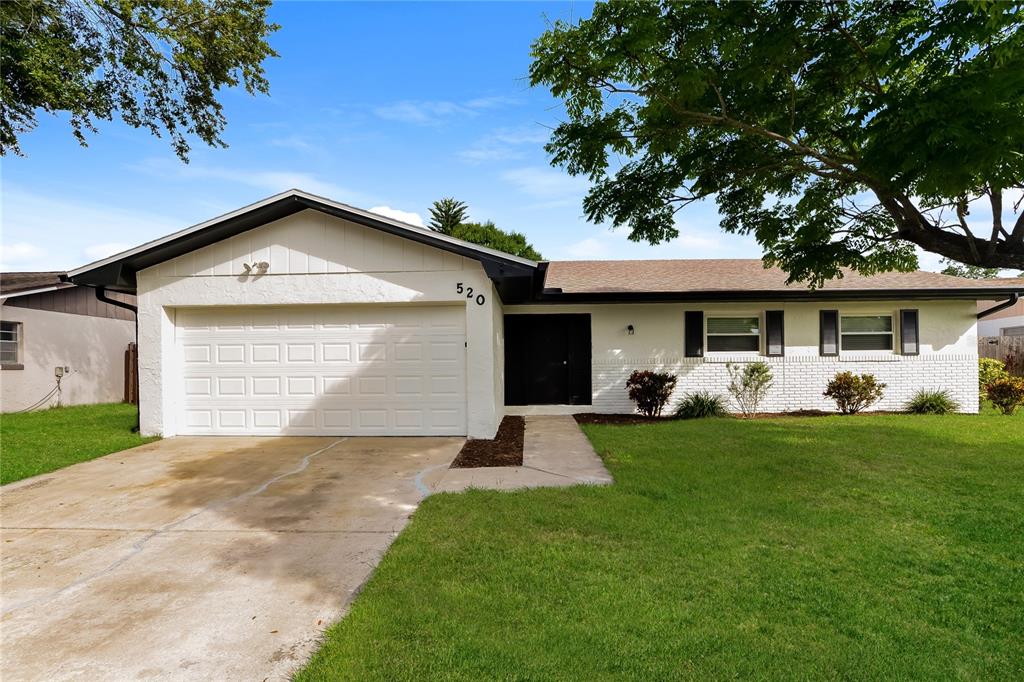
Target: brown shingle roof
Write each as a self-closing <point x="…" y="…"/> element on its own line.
<point x="733" y="274"/>
<point x="14" y="282"/>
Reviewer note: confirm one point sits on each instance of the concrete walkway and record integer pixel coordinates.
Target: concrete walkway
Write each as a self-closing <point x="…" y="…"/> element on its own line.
<point x="555" y="454"/>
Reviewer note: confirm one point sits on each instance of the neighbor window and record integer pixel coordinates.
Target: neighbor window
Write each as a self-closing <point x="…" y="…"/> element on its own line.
<point x="10" y="339"/>
<point x="734" y="334"/>
<point x="866" y="332"/>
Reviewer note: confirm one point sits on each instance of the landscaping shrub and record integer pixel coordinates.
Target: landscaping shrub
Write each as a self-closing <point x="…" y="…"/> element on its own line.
<point x="700" y="405"/>
<point x="650" y="390"/>
<point x="853" y="393"/>
<point x="749" y="384"/>
<point x="932" y="402"/>
<point x="989" y="369"/>
<point x="1007" y="393"/>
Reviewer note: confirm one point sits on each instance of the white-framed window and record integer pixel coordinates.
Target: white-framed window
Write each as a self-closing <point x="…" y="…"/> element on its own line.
<point x="866" y="332"/>
<point x="734" y="334"/>
<point x="10" y="342"/>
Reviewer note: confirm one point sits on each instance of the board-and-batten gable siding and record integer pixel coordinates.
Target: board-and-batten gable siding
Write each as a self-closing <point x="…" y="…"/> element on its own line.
<point x="75" y="301"/>
<point x="311" y="242"/>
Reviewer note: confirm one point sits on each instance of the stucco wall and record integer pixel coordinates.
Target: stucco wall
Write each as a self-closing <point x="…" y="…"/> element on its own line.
<point x="314" y="259"/>
<point x="993" y="326"/>
<point x="93" y="347"/>
<point x="948" y="358"/>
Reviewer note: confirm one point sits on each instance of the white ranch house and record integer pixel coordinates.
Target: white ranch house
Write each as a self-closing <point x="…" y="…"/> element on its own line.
<point x="301" y="315"/>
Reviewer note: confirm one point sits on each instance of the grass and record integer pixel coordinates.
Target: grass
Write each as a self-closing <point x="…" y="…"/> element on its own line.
<point x="866" y="547"/>
<point x="34" y="443"/>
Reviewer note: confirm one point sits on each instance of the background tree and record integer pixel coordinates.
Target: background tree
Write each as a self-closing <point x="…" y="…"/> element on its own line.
<point x="489" y="235"/>
<point x="157" y="64"/>
<point x="838" y="134"/>
<point x="968" y="271"/>
<point x="447" y="214"/>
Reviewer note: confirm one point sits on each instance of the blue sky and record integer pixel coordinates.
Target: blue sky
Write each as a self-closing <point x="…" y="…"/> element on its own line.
<point x="383" y="106"/>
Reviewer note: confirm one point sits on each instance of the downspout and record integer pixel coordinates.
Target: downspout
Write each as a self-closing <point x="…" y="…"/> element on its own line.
<point x="101" y="294"/>
<point x="1001" y="306"/>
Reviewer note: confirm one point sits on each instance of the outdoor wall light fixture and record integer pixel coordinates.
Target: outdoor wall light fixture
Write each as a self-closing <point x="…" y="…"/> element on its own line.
<point x="630" y="330"/>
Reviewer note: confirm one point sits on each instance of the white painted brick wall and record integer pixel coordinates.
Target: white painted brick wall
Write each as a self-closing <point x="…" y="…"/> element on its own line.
<point x="799" y="381"/>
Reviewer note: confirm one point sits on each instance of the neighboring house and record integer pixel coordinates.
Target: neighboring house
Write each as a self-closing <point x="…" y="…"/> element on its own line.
<point x="46" y="324"/>
<point x="300" y="315"/>
<point x="1006" y="322"/>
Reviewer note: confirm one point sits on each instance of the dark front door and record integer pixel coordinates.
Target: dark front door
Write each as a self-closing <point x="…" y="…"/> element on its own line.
<point x="547" y="359"/>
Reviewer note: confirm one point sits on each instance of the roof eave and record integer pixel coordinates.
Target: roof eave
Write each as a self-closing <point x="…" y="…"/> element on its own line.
<point x="968" y="294"/>
<point x="117" y="272"/>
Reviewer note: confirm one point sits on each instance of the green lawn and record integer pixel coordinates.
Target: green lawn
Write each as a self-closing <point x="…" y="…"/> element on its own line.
<point x="873" y="547"/>
<point x="35" y="443"/>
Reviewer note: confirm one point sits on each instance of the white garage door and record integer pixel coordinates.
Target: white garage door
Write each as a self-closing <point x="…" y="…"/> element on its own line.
<point x="323" y="370"/>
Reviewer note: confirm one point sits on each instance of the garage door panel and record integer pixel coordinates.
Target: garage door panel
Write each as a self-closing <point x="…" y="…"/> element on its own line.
<point x="323" y="370"/>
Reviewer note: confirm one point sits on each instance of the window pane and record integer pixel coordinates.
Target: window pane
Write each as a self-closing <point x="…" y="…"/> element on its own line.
<point x="867" y="341"/>
<point x="8" y="335"/>
<point x="733" y="325"/>
<point x="867" y="323"/>
<point x="734" y="343"/>
<point x="8" y="354"/>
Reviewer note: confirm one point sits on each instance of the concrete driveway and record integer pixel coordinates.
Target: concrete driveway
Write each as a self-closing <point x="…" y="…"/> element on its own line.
<point x="199" y="558"/>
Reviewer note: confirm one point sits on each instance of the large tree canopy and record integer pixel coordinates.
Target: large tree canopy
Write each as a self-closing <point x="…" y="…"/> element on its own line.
<point x="158" y="64"/>
<point x="839" y="134"/>
<point x="490" y="235"/>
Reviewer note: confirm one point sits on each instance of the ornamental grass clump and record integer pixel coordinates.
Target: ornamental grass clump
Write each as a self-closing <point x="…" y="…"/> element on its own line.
<point x="932" y="402"/>
<point x="701" y="405"/>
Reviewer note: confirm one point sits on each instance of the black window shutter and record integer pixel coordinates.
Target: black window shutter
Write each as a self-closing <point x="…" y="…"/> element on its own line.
<point x="775" y="333"/>
<point x="910" y="337"/>
<point x="694" y="333"/>
<point x="828" y="339"/>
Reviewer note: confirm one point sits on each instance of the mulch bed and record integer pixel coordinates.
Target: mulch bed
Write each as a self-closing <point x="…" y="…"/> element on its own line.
<point x="505" y="450"/>
<point x="633" y="419"/>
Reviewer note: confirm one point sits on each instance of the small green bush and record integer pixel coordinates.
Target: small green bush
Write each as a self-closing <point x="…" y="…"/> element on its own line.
<point x="854" y="393"/>
<point x="989" y="369"/>
<point x="700" y="405"/>
<point x="1007" y="393"/>
<point x="749" y="384"/>
<point x="932" y="402"/>
<point x="650" y="391"/>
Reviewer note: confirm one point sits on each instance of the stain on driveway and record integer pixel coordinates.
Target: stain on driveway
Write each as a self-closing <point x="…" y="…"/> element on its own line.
<point x="199" y="557"/>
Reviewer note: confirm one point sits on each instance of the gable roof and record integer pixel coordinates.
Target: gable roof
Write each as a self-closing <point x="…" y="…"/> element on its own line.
<point x="22" y="283"/>
<point x="747" y="279"/>
<point x="522" y="280"/>
<point x="118" y="271"/>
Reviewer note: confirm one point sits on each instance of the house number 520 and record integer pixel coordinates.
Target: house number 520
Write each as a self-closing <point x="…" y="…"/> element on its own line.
<point x="468" y="291"/>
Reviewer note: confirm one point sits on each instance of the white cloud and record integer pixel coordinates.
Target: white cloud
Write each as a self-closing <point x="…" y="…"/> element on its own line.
<point x="23" y="256"/>
<point x="590" y="248"/>
<point x="273" y="181"/>
<point x="546" y="183"/>
<point x="504" y="144"/>
<point x="691" y="243"/>
<point x="435" y="112"/>
<point x="296" y="142"/>
<point x="410" y="217"/>
<point x="80" y="224"/>
<point x="100" y="251"/>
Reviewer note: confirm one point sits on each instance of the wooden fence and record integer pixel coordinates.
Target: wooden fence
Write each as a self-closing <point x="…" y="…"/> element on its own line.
<point x="1009" y="349"/>
<point x="131" y="374"/>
